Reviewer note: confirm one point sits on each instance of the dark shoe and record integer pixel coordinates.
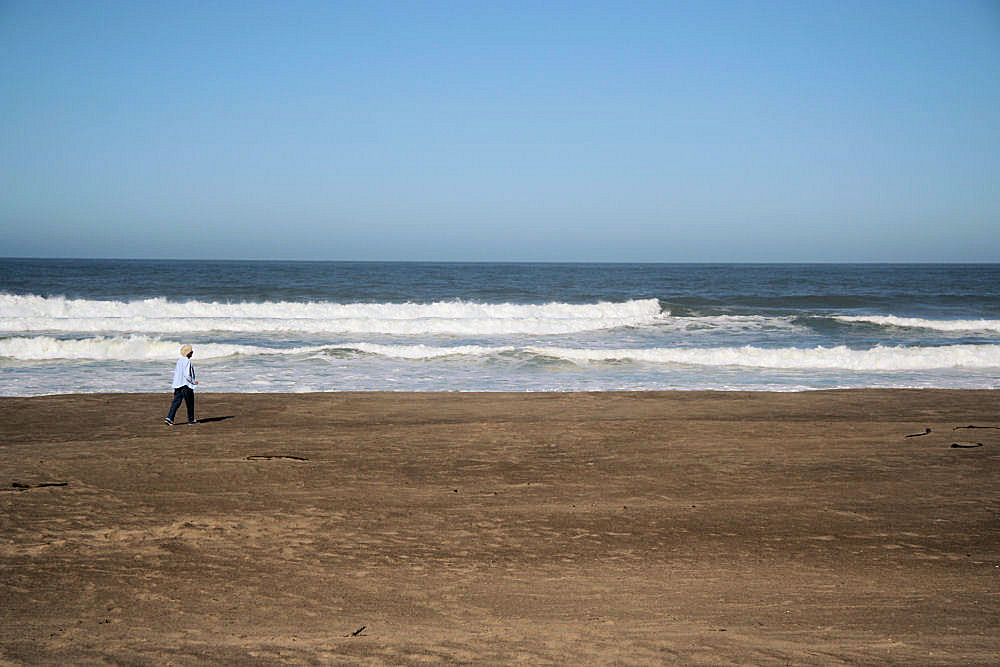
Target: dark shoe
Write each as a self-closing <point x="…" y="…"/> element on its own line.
<point x="192" y="422"/>
<point x="169" y="421"/>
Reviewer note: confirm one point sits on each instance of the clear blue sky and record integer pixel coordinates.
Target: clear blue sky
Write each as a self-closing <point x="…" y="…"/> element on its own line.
<point x="549" y="131"/>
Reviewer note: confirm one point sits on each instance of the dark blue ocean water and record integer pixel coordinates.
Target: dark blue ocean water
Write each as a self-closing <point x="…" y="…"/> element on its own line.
<point x="116" y="325"/>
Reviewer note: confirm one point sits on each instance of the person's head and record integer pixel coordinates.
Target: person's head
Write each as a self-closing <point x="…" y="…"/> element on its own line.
<point x="186" y="351"/>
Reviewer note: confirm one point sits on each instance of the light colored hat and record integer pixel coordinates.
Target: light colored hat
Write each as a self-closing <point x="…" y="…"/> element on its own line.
<point x="186" y="350"/>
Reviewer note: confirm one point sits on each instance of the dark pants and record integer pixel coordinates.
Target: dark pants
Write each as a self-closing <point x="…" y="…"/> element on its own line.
<point x="185" y="394"/>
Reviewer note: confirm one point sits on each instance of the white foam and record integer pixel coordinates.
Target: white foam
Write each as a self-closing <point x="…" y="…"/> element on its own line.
<point x="919" y="323"/>
<point x="731" y="323"/>
<point x="427" y="351"/>
<point x="159" y="316"/>
<point x="838" y="358"/>
<point x="124" y="348"/>
<point x="878" y="358"/>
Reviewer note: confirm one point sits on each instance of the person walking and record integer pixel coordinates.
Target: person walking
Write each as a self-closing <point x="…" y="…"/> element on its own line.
<point x="184" y="383"/>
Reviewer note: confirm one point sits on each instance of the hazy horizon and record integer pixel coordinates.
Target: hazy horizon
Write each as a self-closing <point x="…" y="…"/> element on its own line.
<point x="208" y="260"/>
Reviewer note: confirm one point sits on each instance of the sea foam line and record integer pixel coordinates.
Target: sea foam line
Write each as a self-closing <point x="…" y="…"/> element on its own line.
<point x="878" y="358"/>
<point x="123" y="348"/>
<point x="159" y="316"/>
<point x="920" y="323"/>
<point x="144" y="348"/>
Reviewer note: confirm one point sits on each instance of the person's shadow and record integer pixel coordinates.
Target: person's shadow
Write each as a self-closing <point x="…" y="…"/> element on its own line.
<point x="206" y="420"/>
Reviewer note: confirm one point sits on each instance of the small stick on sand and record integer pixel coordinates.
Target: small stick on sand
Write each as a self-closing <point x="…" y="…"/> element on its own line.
<point x="273" y="457"/>
<point x="22" y="485"/>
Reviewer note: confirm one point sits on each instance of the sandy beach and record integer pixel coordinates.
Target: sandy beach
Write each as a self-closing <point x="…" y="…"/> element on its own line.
<point x="829" y="527"/>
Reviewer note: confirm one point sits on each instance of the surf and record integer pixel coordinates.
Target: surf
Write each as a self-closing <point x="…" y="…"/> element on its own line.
<point x="981" y="325"/>
<point x="123" y="348"/>
<point x="837" y="358"/>
<point x="29" y="313"/>
<point x="879" y="358"/>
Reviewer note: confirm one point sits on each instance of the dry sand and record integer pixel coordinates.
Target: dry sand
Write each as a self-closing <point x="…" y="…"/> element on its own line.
<point x="624" y="528"/>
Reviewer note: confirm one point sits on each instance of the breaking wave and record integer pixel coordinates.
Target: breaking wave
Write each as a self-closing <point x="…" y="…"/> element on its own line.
<point x="878" y="358"/>
<point x="160" y="316"/>
<point x="125" y="348"/>
<point x="919" y="323"/>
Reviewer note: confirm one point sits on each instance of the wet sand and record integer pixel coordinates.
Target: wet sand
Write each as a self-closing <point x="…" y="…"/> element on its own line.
<point x="607" y="528"/>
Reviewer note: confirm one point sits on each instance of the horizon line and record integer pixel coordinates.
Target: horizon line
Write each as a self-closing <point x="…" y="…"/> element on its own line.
<point x="505" y="261"/>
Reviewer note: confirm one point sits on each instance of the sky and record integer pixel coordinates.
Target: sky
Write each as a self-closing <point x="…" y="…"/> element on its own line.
<point x="619" y="131"/>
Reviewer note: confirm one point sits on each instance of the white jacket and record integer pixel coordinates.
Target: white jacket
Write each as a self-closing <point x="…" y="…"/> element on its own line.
<point x="184" y="373"/>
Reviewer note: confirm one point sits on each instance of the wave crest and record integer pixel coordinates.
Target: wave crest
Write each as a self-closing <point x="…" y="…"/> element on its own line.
<point x="920" y="323"/>
<point x="125" y="348"/>
<point x="876" y="359"/>
<point x="158" y="316"/>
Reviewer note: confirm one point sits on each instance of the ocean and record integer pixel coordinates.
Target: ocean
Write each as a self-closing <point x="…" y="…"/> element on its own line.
<point x="81" y="326"/>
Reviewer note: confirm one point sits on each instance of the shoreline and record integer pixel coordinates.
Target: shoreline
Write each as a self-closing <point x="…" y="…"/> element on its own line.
<point x="503" y="392"/>
<point x="701" y="527"/>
